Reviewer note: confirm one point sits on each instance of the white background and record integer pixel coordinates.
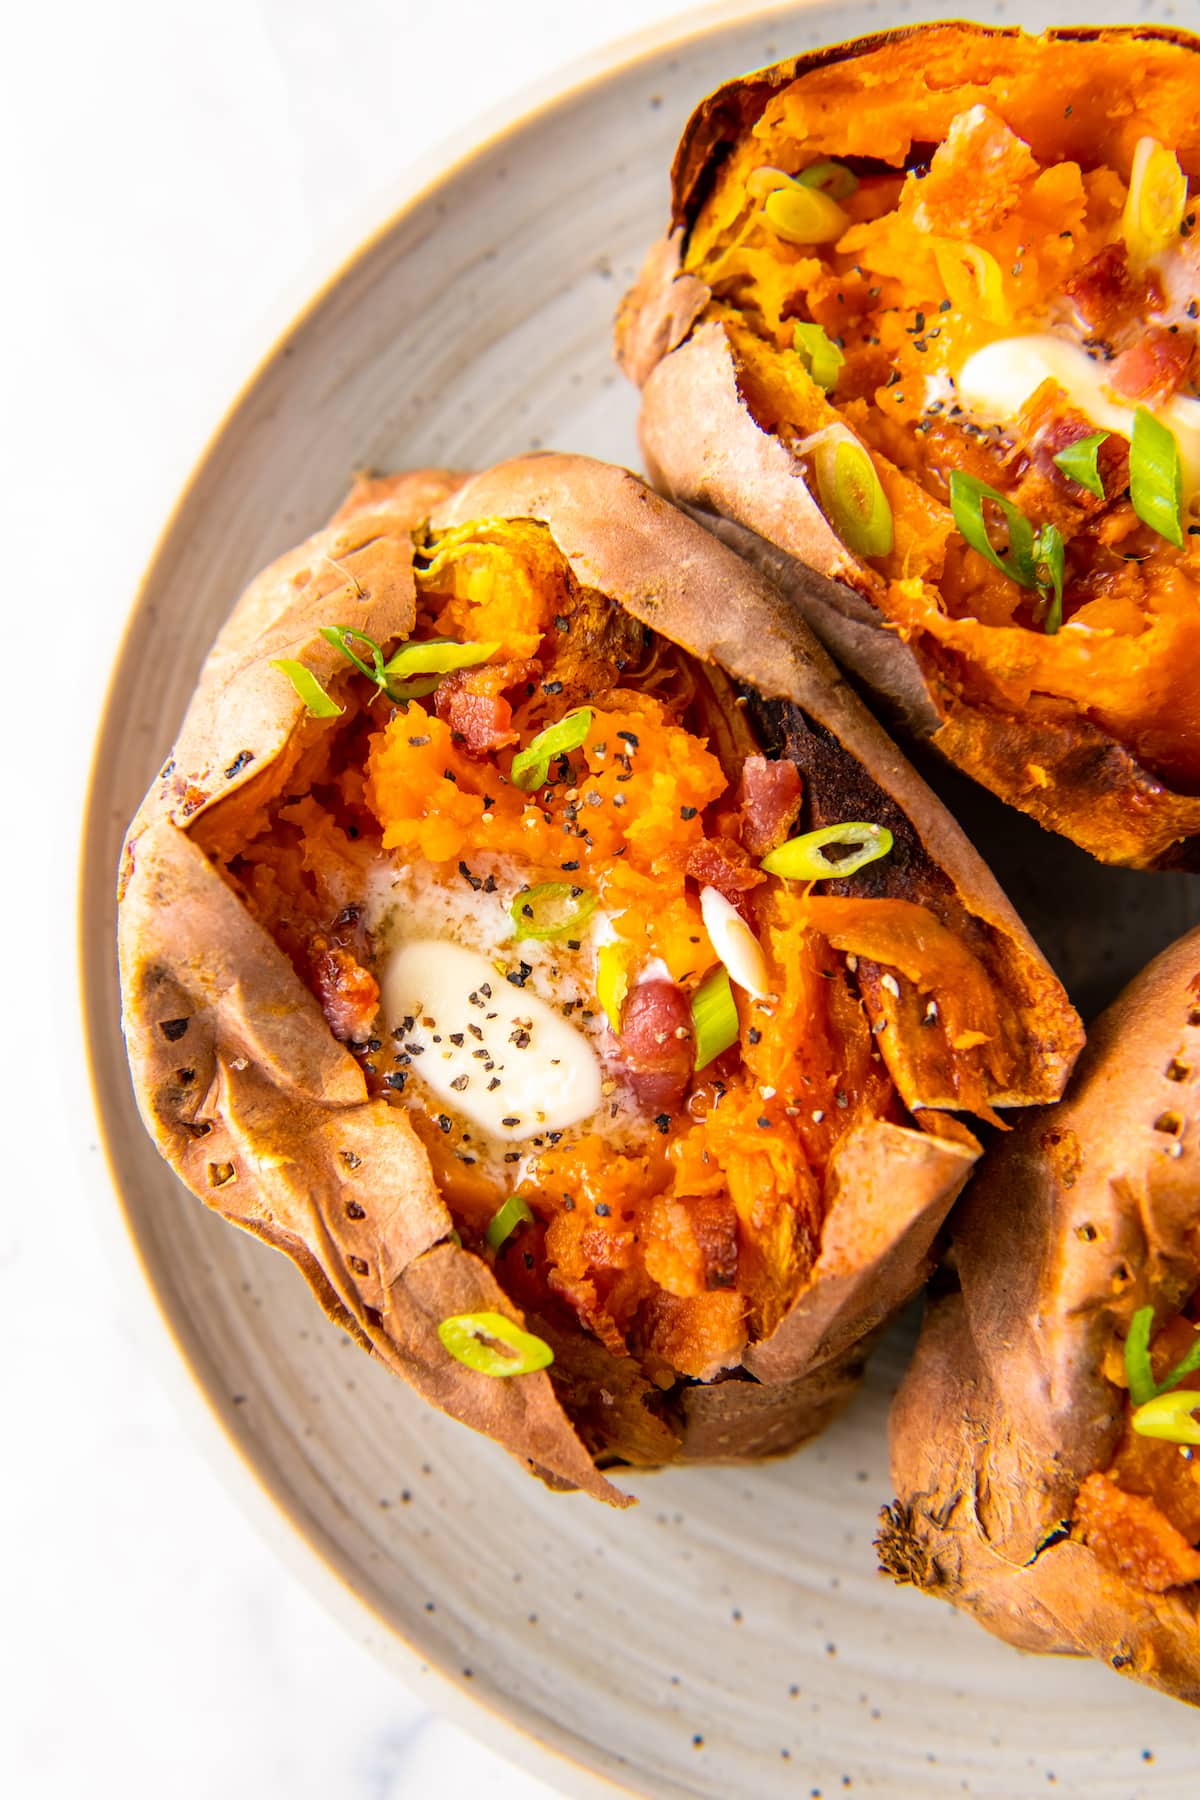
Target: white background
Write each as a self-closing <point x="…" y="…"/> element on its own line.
<point x="176" y="177"/>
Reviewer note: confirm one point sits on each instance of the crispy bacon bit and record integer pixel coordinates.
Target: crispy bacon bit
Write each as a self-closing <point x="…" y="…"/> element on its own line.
<point x="1108" y="299"/>
<point x="1131" y="1535"/>
<point x="349" y="994"/>
<point x="770" y="797"/>
<point x="1155" y="366"/>
<point x="656" y="1042"/>
<point x="724" y="865"/>
<point x="470" y="702"/>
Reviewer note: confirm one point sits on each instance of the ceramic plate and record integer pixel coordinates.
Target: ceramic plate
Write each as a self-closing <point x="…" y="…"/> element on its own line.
<point x="730" y="1637"/>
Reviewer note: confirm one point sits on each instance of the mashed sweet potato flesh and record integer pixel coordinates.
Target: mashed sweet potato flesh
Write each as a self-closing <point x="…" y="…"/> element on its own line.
<point x="693" y="1237"/>
<point x="989" y="205"/>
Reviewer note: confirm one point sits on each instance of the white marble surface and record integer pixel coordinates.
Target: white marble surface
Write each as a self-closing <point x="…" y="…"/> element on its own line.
<point x="177" y="177"/>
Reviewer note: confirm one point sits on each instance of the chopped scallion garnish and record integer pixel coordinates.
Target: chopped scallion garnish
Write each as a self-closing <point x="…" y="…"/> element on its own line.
<point x="1138" y="1371"/>
<point x="1049" y="566"/>
<point x="472" y="1338"/>
<point x="417" y="668"/>
<point x="804" y="215"/>
<point x="1156" y="477"/>
<point x="552" y="909"/>
<point x="832" y="178"/>
<point x="504" y="1222"/>
<point x="1156" y="202"/>
<point x="612" y="980"/>
<point x="714" y="1017"/>
<point x="317" y="702"/>
<point x="967" y="497"/>
<point x="803" y="858"/>
<point x="1078" y="461"/>
<point x="851" y="492"/>
<point x="531" y="766"/>
<point x="1170" y="1416"/>
<point x="818" y="352"/>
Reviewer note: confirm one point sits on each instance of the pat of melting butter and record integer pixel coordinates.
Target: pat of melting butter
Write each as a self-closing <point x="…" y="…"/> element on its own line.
<point x="996" y="381"/>
<point x="491" y="1052"/>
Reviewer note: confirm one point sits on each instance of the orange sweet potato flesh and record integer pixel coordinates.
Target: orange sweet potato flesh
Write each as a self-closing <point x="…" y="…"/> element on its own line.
<point x="1024" y="1495"/>
<point x="713" y="1295"/>
<point x="1094" y="729"/>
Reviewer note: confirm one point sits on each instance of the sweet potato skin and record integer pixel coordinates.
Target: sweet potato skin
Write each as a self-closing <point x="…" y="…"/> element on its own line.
<point x="265" y="1116"/>
<point x="705" y="449"/>
<point x="1085" y="1213"/>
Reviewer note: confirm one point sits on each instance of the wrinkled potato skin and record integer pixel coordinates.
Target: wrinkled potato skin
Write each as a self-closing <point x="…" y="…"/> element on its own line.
<point x="705" y="450"/>
<point x="273" y="1127"/>
<point x="1078" y="1218"/>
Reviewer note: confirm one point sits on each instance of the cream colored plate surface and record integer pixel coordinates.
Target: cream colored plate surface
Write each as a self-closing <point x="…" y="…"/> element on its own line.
<point x="730" y="1637"/>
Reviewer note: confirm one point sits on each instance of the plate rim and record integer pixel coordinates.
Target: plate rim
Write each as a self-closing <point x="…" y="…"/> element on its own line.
<point x="526" y="1738"/>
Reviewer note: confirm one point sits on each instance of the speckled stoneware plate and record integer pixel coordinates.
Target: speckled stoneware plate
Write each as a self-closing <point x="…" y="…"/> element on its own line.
<point x="730" y="1637"/>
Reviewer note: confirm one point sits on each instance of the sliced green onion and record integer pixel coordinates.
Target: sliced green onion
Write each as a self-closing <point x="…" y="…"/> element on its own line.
<point x="531" y="766"/>
<point x="714" y="1017"/>
<point x="832" y="178"/>
<point x="1138" y="1372"/>
<point x="1170" y="1416"/>
<point x="1156" y="477"/>
<point x="850" y="490"/>
<point x="342" y="636"/>
<point x="1078" y="461"/>
<point x="537" y="912"/>
<point x="818" y="352"/>
<point x="1050" y="567"/>
<point x="803" y="858"/>
<point x="416" y="669"/>
<point x="503" y="1223"/>
<point x="967" y="497"/>
<point x="456" y="1239"/>
<point x="316" y="700"/>
<point x="471" y="1338"/>
<point x="1187" y="1365"/>
<point x="1156" y="202"/>
<point x="612" y="980"/>
<point x="804" y="215"/>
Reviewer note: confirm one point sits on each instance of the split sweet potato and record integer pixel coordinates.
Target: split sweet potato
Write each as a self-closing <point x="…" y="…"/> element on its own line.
<point x="357" y="786"/>
<point x="921" y="339"/>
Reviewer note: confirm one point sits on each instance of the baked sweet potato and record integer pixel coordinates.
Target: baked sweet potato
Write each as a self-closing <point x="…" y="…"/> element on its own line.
<point x="922" y="340"/>
<point x="419" y="935"/>
<point x="1028" y="1490"/>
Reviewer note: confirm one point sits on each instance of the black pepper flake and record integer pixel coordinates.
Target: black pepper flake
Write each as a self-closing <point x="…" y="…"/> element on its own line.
<point x="630" y="737"/>
<point x="687" y="812"/>
<point x="521" y="1039"/>
<point x="943" y="306"/>
<point x="485" y="988"/>
<point x="1193" y="309"/>
<point x="493" y="1084"/>
<point x="444" y="1122"/>
<point x="241" y="761"/>
<point x="475" y="1031"/>
<point x="593" y="798"/>
<point x="449" y="775"/>
<point x="527" y="1259"/>
<point x="456" y="1038"/>
<point x="417" y="742"/>
<point x="475" y="881"/>
<point x="917" y="326"/>
<point x="459" y="1084"/>
<point x="764" y="1124"/>
<point x="754" y="1035"/>
<point x="572" y="943"/>
<point x="520" y="975"/>
<point x="173" y="1029"/>
<point x="568" y="1203"/>
<point x="482" y="1054"/>
<point x="552" y="687"/>
<point x="561" y="622"/>
<point x="396" y="1081"/>
<point x="663" y="1121"/>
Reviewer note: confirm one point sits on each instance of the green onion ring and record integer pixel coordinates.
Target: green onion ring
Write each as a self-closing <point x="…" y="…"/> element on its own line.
<point x="316" y="701"/>
<point x="531" y="766"/>
<point x="802" y="858"/>
<point x="536" y="910"/>
<point x="1156" y="477"/>
<point x="1170" y="1416"/>
<point x="1078" y="461"/>
<point x="465" y="1336"/>
<point x="818" y="352"/>
<point x="714" y="1017"/>
<point x="505" y="1220"/>
<point x="832" y="178"/>
<point x="967" y="496"/>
